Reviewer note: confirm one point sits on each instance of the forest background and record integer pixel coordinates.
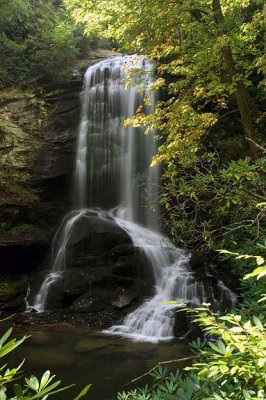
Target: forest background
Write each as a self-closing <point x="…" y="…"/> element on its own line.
<point x="209" y="67"/>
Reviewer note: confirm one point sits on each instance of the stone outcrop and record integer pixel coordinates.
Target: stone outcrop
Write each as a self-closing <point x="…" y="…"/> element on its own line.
<point x="29" y="206"/>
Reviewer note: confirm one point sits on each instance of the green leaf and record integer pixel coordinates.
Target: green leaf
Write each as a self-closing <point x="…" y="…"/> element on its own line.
<point x="3" y="393"/>
<point x="261" y="362"/>
<point x="45" y="379"/>
<point x="18" y="390"/>
<point x="10" y="346"/>
<point x="236" y="329"/>
<point x="234" y="370"/>
<point x="83" y="392"/>
<point x="224" y="369"/>
<point x="5" y="336"/>
<point x="258" y="323"/>
<point x="203" y="373"/>
<point x="220" y="348"/>
<point x="32" y="383"/>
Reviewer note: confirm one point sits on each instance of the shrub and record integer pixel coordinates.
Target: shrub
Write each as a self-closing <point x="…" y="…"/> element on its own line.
<point x="230" y="363"/>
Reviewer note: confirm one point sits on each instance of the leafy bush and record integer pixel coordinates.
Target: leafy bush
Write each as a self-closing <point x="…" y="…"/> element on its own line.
<point x="232" y="367"/>
<point x="230" y="363"/>
<point x="211" y="206"/>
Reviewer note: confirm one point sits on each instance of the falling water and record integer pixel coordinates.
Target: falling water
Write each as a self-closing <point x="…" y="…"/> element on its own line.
<point x="59" y="248"/>
<point x="112" y="173"/>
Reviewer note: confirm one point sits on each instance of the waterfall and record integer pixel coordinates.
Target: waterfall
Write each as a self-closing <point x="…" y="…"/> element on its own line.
<point x="113" y="179"/>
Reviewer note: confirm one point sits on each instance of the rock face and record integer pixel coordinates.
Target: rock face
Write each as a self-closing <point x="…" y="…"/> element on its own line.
<point x="35" y="172"/>
<point x="37" y="149"/>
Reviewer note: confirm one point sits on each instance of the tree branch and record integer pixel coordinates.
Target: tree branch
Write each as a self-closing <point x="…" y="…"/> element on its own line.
<point x="158" y="365"/>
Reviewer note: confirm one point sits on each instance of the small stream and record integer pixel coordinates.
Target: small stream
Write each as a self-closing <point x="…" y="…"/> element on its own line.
<point x="81" y="356"/>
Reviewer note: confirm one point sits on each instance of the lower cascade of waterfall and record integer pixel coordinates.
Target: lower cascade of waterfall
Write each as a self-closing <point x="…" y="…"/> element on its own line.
<point x="175" y="286"/>
<point x="113" y="180"/>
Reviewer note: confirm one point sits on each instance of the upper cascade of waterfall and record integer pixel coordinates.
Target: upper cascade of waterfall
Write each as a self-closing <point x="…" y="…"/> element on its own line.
<point x="112" y="164"/>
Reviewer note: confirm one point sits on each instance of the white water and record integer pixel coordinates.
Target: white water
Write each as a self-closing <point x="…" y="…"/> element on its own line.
<point x="112" y="173"/>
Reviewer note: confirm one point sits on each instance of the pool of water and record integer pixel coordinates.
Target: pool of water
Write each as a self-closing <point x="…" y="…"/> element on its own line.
<point x="81" y="356"/>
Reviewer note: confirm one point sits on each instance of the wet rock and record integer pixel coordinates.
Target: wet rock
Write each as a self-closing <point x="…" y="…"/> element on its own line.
<point x="122" y="250"/>
<point x="75" y="282"/>
<point x="89" y="304"/>
<point x="92" y="289"/>
<point x="133" y="265"/>
<point x="68" y="288"/>
<point x="23" y="235"/>
<point x="56" y="297"/>
<point x="13" y="293"/>
<point x="23" y="136"/>
<point x="96" y="236"/>
<point x="123" y="297"/>
<point x="15" y="145"/>
<point x="21" y="258"/>
<point x="56" y="158"/>
<point x="197" y="260"/>
<point x="184" y="327"/>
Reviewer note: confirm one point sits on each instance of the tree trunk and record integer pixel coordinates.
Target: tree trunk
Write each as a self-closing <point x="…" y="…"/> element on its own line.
<point x="241" y="93"/>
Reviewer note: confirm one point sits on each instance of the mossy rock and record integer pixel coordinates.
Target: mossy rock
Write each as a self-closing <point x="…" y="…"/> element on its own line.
<point x="17" y="146"/>
<point x="90" y="304"/>
<point x="23" y="234"/>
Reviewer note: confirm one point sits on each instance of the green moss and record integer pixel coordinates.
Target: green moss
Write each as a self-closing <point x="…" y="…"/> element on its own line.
<point x="13" y="191"/>
<point x="23" y="233"/>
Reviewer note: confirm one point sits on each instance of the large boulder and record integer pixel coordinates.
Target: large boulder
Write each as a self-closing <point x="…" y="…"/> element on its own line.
<point x="95" y="236"/>
<point x="102" y="264"/>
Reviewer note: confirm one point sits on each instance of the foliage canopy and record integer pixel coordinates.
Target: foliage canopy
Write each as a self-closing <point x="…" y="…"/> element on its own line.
<point x="209" y="68"/>
<point x="38" y="39"/>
